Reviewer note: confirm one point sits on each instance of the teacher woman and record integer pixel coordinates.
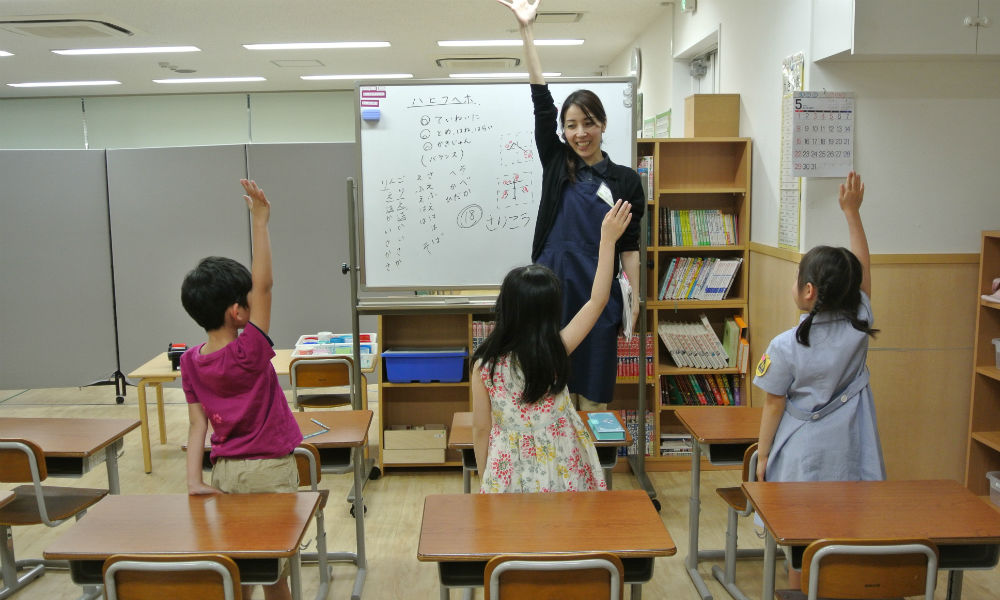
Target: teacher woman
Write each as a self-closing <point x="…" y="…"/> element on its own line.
<point x="568" y="227"/>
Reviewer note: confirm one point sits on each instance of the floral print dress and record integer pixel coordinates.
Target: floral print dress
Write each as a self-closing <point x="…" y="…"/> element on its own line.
<point x="540" y="447"/>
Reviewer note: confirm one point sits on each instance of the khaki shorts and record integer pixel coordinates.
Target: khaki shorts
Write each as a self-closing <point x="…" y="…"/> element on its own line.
<point x="581" y="402"/>
<point x="256" y="476"/>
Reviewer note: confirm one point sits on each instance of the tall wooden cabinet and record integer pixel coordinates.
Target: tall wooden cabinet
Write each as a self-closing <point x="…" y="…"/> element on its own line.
<point x="694" y="173"/>
<point x="984" y="413"/>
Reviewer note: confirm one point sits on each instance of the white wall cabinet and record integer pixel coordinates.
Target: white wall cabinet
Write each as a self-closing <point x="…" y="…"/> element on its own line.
<point x="905" y="28"/>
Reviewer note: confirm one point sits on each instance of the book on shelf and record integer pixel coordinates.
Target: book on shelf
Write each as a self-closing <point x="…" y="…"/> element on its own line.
<point x="480" y="331"/>
<point x="645" y="171"/>
<point x="693" y="344"/>
<point x="605" y="426"/>
<point x="698" y="278"/>
<point x="700" y="227"/>
<point x="710" y="389"/>
<point x="628" y="356"/>
<point x="631" y="419"/>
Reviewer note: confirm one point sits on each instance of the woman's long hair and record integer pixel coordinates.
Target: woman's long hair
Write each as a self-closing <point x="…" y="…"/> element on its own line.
<point x="591" y="105"/>
<point x="836" y="274"/>
<point x="528" y="318"/>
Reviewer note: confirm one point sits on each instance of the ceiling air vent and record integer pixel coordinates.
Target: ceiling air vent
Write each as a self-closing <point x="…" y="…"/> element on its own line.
<point x="65" y="28"/>
<point x="478" y="63"/>
<point x="558" y="17"/>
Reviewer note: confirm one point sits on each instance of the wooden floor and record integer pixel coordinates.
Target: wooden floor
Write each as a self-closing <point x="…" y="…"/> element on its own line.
<point x="394" y="507"/>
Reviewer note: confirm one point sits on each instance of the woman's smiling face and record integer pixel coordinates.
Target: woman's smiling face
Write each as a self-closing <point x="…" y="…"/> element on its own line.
<point x="583" y="134"/>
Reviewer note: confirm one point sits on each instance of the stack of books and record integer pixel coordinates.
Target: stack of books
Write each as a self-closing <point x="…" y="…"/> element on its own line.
<point x="735" y="343"/>
<point x="675" y="444"/>
<point x="605" y="426"/>
<point x="701" y="390"/>
<point x="693" y="344"/>
<point x="698" y="227"/>
<point x="480" y="331"/>
<point x="631" y="418"/>
<point x="698" y="278"/>
<point x="628" y="356"/>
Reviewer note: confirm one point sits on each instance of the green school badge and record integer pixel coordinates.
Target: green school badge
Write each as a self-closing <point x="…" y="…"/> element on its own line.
<point x="765" y="362"/>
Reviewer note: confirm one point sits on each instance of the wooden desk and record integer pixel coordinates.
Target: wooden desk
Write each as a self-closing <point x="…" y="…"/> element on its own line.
<point x="461" y="532"/>
<point x="158" y="371"/>
<point x="725" y="432"/>
<point x="255" y="530"/>
<point x="965" y="528"/>
<point x="460" y="438"/>
<point x="73" y="447"/>
<point x="6" y="498"/>
<point x="342" y="449"/>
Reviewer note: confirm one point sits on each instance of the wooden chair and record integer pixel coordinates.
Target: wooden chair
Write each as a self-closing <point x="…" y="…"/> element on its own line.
<point x="22" y="461"/>
<point x="865" y="569"/>
<point x="333" y="371"/>
<point x="171" y="576"/>
<point x="584" y="576"/>
<point x="738" y="507"/>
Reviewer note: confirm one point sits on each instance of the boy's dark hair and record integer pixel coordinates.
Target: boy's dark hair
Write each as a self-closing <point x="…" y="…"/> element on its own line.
<point x="528" y="317"/>
<point x="213" y="286"/>
<point x="836" y="274"/>
<point x="591" y="105"/>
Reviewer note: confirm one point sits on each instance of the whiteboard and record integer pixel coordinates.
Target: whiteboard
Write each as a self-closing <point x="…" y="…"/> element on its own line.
<point x="451" y="180"/>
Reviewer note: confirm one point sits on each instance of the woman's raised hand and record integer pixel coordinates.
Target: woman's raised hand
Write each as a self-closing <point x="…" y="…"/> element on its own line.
<point x="524" y="10"/>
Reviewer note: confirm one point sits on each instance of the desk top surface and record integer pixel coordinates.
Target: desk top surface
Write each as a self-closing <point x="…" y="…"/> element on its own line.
<point x="6" y="498"/>
<point x="476" y="527"/>
<point x="159" y="367"/>
<point x="348" y="428"/>
<point x="940" y="510"/>
<point x="227" y="524"/>
<point x="460" y="436"/>
<point x="721" y="424"/>
<point x="67" y="437"/>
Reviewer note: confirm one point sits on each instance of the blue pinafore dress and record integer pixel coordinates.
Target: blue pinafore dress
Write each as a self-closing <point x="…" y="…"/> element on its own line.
<point x="571" y="252"/>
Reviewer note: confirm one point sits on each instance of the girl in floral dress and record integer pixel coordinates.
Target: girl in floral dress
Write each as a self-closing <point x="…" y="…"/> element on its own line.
<point x="526" y="433"/>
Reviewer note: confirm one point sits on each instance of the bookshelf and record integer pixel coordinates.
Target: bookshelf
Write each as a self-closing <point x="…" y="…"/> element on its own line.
<point x="693" y="174"/>
<point x="984" y="412"/>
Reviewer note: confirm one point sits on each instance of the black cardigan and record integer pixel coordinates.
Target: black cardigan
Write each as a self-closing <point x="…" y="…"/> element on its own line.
<point x="623" y="181"/>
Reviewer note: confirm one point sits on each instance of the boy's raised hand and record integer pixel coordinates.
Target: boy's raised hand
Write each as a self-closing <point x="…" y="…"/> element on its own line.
<point x="524" y="10"/>
<point x="852" y="192"/>
<point x="616" y="221"/>
<point x="257" y="202"/>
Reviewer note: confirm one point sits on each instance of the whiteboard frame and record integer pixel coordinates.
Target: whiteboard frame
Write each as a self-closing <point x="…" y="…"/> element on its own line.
<point x="360" y="224"/>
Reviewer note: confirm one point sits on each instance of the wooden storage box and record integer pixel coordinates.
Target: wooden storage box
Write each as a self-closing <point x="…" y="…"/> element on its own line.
<point x="712" y="115"/>
<point x="413" y="455"/>
<point x="428" y="437"/>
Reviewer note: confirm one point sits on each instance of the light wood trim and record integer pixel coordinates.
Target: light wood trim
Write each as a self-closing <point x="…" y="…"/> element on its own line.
<point x="779" y="253"/>
<point x="876" y="259"/>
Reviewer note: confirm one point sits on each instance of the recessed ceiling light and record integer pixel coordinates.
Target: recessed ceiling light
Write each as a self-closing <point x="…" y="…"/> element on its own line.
<point x="147" y="50"/>
<point x="497" y="75"/>
<point x="483" y="43"/>
<point x="3" y="53"/>
<point x="210" y="80"/>
<point x="316" y="45"/>
<point x="358" y="76"/>
<point x="62" y="83"/>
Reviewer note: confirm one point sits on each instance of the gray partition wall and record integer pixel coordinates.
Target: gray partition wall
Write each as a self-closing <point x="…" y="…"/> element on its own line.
<point x="306" y="184"/>
<point x="56" y="315"/>
<point x="170" y="207"/>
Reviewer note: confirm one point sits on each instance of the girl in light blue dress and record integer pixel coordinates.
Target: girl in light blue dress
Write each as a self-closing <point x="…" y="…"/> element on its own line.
<point x="819" y="417"/>
<point x="818" y="422"/>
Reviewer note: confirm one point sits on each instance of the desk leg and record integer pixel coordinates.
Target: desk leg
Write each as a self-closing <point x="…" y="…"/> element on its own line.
<point x="770" y="550"/>
<point x="295" y="562"/>
<point x="111" y="462"/>
<point x="147" y="461"/>
<point x="954" y="584"/>
<point x="694" y="512"/>
<point x="159" y="413"/>
<point x="359" y="519"/>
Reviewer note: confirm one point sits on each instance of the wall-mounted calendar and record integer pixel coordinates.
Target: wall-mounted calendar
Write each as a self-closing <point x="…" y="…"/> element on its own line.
<point x="822" y="134"/>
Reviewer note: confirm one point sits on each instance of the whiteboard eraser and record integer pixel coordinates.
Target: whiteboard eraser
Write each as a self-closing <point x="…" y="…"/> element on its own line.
<point x="371" y="114"/>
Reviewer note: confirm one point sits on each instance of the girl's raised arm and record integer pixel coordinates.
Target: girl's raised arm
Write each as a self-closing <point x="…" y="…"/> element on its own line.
<point x="852" y="193"/>
<point x="612" y="227"/>
<point x="525" y="11"/>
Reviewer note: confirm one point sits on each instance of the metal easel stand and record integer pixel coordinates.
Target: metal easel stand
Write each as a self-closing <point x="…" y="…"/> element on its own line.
<point x="369" y="469"/>
<point x="637" y="461"/>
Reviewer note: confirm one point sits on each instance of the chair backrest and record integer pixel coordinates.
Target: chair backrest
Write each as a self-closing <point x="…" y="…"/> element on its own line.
<point x="584" y="576"/>
<point x="875" y="568"/>
<point x="329" y="371"/>
<point x="750" y="463"/>
<point x="21" y="461"/>
<point x="307" y="461"/>
<point x="174" y="576"/>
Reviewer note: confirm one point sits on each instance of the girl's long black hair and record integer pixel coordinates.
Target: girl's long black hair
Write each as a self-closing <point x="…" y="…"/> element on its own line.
<point x="528" y="321"/>
<point x="836" y="274"/>
<point x="591" y="105"/>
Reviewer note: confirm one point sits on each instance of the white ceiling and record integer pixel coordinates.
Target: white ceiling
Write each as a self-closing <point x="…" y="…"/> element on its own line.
<point x="220" y="27"/>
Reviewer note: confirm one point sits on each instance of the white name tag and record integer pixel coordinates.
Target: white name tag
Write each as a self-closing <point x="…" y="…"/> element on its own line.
<point x="604" y="193"/>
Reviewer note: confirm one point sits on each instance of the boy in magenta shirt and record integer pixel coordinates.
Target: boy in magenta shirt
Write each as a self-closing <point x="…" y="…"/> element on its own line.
<point x="229" y="380"/>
